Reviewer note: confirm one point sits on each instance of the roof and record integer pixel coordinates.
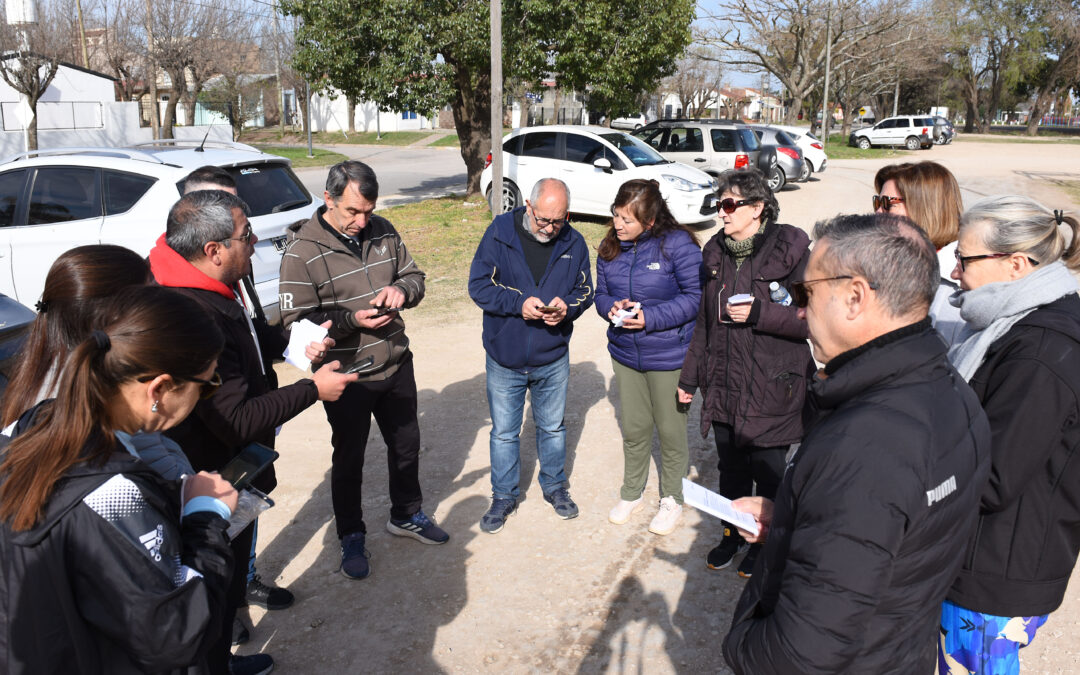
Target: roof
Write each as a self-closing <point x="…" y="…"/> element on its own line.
<point x="13" y="55"/>
<point x="180" y="153"/>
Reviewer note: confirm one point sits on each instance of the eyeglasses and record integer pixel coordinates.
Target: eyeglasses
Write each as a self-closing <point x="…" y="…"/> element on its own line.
<point x="729" y="205"/>
<point x="207" y="388"/>
<point x="884" y="202"/>
<point x="800" y="294"/>
<point x="963" y="260"/>
<point x="245" y="237"/>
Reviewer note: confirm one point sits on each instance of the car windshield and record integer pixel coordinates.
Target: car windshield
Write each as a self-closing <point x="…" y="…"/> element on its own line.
<point x="638" y="152"/>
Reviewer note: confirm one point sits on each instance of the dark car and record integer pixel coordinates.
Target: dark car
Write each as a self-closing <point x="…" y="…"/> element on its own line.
<point x="944" y="132"/>
<point x="15" y="320"/>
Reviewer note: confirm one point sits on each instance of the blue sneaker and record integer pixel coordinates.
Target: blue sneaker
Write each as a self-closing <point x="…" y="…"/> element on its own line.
<point x="354" y="557"/>
<point x="419" y="527"/>
<point x="496" y="516"/>
<point x="255" y="664"/>
<point x="565" y="507"/>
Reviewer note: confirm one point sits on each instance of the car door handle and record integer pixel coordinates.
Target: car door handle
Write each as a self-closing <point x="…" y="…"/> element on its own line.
<point x="699" y="159"/>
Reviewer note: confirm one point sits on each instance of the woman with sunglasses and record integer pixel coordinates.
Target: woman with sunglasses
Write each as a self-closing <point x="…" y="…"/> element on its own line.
<point x="648" y="266"/>
<point x="109" y="567"/>
<point x="749" y="354"/>
<point x="1020" y="352"/>
<point x="927" y="194"/>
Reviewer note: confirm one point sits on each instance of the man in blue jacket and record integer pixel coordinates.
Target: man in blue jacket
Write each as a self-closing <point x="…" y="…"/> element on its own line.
<point x="531" y="276"/>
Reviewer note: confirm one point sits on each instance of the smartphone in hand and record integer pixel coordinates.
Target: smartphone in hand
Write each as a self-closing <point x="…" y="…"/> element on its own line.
<point x="251" y="461"/>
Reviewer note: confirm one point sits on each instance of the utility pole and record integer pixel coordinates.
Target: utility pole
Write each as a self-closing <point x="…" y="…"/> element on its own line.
<point x="896" y="96"/>
<point x="277" y="71"/>
<point x="496" y="108"/>
<point x="82" y="34"/>
<point x="155" y="123"/>
<point x="828" y="67"/>
<point x="307" y="115"/>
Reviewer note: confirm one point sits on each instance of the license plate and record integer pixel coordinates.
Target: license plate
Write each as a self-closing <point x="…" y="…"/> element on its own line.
<point x="279" y="244"/>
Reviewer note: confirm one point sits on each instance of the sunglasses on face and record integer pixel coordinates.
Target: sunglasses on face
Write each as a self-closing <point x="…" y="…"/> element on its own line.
<point x="207" y="388"/>
<point x="244" y="238"/>
<point x="729" y="205"/>
<point x="884" y="202"/>
<point x="963" y="260"/>
<point x="800" y="292"/>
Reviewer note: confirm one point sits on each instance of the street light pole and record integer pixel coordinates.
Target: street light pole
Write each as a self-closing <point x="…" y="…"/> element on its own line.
<point x="496" y="108"/>
<point x="828" y="67"/>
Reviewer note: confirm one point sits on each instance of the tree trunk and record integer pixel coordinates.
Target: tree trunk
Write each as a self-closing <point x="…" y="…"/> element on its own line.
<point x="31" y="129"/>
<point x="350" y="104"/>
<point x="792" y="115"/>
<point x="177" y="77"/>
<point x="190" y="99"/>
<point x="970" y="113"/>
<point x="523" y="121"/>
<point x="472" y="117"/>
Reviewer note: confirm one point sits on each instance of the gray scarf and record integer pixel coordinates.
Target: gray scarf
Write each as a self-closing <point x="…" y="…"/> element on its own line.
<point x="991" y="310"/>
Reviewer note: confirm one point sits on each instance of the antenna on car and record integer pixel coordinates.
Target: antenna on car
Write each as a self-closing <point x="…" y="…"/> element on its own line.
<point x="200" y="148"/>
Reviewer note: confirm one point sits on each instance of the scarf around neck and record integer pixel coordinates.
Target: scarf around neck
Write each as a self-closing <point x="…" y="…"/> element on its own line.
<point x="741" y="250"/>
<point x="989" y="311"/>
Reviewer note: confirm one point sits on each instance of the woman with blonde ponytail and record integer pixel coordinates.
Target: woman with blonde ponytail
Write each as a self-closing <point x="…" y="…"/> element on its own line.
<point x="1020" y="352"/>
<point x="107" y="566"/>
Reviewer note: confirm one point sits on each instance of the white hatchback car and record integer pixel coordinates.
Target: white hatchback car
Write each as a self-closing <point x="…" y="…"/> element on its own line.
<point x="812" y="148"/>
<point x="54" y="200"/>
<point x="594" y="162"/>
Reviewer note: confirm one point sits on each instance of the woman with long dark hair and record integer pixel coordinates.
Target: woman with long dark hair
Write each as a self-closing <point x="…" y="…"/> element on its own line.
<point x="749" y="355"/>
<point x="103" y="573"/>
<point x="648" y="285"/>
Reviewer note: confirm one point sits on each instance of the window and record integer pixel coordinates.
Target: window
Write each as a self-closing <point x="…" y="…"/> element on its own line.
<point x="407" y="115"/>
<point x="655" y="138"/>
<point x="11" y="186"/>
<point x="269" y="188"/>
<point x="64" y="193"/>
<point x="723" y="140"/>
<point x="512" y="146"/>
<point x="887" y="124"/>
<point x="583" y="149"/>
<point x="541" y="144"/>
<point x="685" y="139"/>
<point x="783" y="139"/>
<point x="122" y="190"/>
<point x="902" y="124"/>
<point x="637" y="151"/>
<point x="749" y="140"/>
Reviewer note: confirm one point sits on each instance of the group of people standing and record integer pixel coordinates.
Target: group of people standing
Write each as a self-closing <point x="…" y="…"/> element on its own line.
<point x="923" y="362"/>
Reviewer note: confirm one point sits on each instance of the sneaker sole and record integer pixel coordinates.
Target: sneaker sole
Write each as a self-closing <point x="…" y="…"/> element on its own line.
<point x="402" y="532"/>
<point x="664" y="533"/>
<point x="745" y="575"/>
<point x="640" y="505"/>
<point x="349" y="576"/>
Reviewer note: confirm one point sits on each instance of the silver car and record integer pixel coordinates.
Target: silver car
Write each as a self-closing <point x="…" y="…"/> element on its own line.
<point x="780" y="153"/>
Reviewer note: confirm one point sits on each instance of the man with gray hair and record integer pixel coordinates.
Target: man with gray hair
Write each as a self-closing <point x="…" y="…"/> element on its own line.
<point x="205" y="252"/>
<point x="531" y="276"/>
<point x="349" y="266"/>
<point x="869" y="524"/>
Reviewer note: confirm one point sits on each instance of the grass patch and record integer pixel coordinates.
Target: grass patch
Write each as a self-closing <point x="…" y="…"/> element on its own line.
<point x="1017" y="137"/>
<point x="299" y="155"/>
<point x="837" y="148"/>
<point x="293" y="137"/>
<point x="442" y="235"/>
<point x="448" y="141"/>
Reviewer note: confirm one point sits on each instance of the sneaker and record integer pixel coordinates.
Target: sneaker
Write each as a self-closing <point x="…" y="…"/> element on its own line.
<point x="624" y="509"/>
<point x="264" y="595"/>
<point x="354" y="557"/>
<point x="721" y="556"/>
<point x="256" y="664"/>
<point x="560" y="500"/>
<point x="667" y="518"/>
<point x="746" y="565"/>
<point x="240" y="633"/>
<point x="419" y="527"/>
<point x="496" y="516"/>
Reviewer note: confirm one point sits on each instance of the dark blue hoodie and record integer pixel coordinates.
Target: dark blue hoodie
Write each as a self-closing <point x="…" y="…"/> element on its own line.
<point x="500" y="282"/>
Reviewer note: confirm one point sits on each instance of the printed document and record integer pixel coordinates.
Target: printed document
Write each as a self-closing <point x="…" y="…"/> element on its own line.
<point x="718" y="505"/>
<point x="302" y="334"/>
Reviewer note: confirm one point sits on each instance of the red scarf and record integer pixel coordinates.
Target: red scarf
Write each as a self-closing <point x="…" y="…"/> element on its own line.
<point x="171" y="269"/>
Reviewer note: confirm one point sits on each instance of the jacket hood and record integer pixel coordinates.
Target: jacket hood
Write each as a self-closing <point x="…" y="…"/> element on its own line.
<point x="172" y="270"/>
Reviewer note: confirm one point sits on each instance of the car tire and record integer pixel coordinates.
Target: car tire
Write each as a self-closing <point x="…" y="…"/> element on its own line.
<point x="511" y="197"/>
<point x="864" y="143"/>
<point x="804" y="175"/>
<point x="912" y="143"/>
<point x="777" y="179"/>
<point x="940" y="140"/>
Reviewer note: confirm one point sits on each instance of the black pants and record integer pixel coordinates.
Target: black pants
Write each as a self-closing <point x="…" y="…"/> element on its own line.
<point x="235" y="597"/>
<point x="743" y="465"/>
<point x="393" y="403"/>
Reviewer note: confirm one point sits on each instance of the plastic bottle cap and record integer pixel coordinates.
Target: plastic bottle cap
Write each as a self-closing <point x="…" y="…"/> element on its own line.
<point x="774" y="286"/>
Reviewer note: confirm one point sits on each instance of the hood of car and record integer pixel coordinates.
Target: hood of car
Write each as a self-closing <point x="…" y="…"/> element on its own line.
<point x="679" y="170"/>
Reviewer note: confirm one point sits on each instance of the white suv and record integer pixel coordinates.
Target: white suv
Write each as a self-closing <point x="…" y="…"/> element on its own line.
<point x="54" y="200"/>
<point x="911" y="131"/>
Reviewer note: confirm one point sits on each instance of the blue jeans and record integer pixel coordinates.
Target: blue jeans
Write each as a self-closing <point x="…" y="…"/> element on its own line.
<point x="506" y="401"/>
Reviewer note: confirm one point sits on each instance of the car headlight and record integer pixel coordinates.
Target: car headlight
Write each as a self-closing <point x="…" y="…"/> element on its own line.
<point x="679" y="183"/>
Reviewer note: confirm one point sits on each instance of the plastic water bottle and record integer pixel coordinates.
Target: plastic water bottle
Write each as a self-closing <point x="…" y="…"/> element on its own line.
<point x="779" y="294"/>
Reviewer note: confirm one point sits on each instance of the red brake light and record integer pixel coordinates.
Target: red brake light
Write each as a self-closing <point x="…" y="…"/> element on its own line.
<point x="789" y="152"/>
<point x="819" y="146"/>
<point x="742" y="161"/>
<point x="487" y="161"/>
<point x="924" y="131"/>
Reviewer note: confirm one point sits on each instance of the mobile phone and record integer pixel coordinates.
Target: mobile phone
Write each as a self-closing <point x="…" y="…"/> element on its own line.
<point x="381" y="311"/>
<point x="547" y="310"/>
<point x="360" y="365"/>
<point x="251" y="461"/>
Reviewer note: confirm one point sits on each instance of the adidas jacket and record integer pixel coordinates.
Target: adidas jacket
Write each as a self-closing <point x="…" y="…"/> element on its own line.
<point x="110" y="580"/>
<point x="323" y="278"/>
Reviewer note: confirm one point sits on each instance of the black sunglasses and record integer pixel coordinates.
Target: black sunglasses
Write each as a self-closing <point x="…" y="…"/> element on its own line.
<point x="207" y="388"/>
<point x="800" y="294"/>
<point x="885" y="203"/>
<point x="729" y="205"/>
<point x="965" y="259"/>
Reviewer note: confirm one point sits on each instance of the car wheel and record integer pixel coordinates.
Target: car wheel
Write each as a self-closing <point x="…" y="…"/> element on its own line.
<point x="636" y="127"/>
<point x="804" y="175"/>
<point x="864" y="143"/>
<point x="511" y="197"/>
<point x="912" y="143"/>
<point x="777" y="179"/>
<point x="940" y="140"/>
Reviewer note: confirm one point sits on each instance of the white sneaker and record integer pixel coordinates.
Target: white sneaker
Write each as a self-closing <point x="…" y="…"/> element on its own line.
<point x="623" y="510"/>
<point x="667" y="517"/>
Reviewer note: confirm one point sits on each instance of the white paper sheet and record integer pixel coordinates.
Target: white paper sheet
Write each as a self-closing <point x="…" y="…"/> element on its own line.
<point x="717" y="505"/>
<point x="302" y="334"/>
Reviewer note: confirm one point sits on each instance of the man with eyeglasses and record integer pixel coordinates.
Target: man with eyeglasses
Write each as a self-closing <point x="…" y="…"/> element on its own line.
<point x="205" y="253"/>
<point x="867" y="532"/>
<point x="531" y="276"/>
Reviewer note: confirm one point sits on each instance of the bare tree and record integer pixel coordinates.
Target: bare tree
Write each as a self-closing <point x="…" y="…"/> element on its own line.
<point x="118" y="47"/>
<point x="30" y="60"/>
<point x="1060" y="69"/>
<point x="696" y="82"/>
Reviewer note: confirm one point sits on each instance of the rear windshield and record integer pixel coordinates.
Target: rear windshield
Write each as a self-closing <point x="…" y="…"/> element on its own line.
<point x="783" y="139"/>
<point x="267" y="188"/>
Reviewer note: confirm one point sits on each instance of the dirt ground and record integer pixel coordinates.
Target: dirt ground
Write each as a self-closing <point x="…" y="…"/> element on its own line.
<point x="547" y="595"/>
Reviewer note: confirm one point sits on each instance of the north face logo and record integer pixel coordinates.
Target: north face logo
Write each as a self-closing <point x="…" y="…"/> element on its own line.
<point x="153" y="540"/>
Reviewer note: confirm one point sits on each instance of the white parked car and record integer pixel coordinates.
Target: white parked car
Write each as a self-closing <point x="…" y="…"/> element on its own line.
<point x="632" y="122"/>
<point x="54" y="200"/>
<point x="812" y="148"/>
<point x="911" y="131"/>
<point x="594" y="162"/>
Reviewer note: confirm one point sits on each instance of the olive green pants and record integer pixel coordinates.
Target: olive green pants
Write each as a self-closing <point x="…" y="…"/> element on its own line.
<point x="648" y="401"/>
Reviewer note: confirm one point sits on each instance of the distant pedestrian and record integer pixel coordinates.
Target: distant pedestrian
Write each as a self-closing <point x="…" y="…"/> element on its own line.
<point x="650" y="265"/>
<point x="531" y="276"/>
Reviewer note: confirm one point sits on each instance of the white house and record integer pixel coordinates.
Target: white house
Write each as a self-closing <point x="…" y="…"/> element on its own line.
<point x="332" y="114"/>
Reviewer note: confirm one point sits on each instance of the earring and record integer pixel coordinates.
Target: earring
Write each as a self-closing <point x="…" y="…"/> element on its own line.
<point x="153" y="408"/>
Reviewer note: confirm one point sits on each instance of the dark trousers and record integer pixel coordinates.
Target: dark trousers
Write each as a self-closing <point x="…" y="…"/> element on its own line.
<point x="221" y="649"/>
<point x="393" y="404"/>
<point x="743" y="465"/>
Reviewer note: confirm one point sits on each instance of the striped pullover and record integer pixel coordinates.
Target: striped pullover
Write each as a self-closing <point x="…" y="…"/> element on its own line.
<point x="326" y="276"/>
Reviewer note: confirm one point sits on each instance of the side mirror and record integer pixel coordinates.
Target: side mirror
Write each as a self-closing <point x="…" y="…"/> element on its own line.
<point x="602" y="163"/>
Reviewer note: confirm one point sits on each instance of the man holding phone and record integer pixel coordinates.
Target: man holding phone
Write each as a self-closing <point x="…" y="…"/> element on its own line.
<point x="531" y="276"/>
<point x="350" y="267"/>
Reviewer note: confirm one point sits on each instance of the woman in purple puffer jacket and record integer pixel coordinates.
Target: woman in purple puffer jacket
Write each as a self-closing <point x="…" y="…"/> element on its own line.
<point x="648" y="284"/>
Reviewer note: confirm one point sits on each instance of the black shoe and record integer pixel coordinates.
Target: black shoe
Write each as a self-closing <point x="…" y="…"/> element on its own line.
<point x="240" y="633"/>
<point x="265" y="595"/>
<point x="256" y="664"/>
<point x="354" y="557"/>
<point x="721" y="556"/>
<point x="560" y="500"/>
<point x="746" y="565"/>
